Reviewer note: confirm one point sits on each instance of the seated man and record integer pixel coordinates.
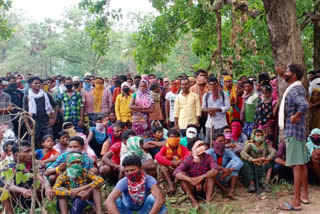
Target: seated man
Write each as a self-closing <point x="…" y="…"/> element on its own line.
<point x="76" y="144"/>
<point x="153" y="144"/>
<point x="257" y="157"/>
<point x="22" y="191"/>
<point x="135" y="147"/>
<point x="235" y="139"/>
<point x="135" y="191"/>
<point x="170" y="156"/>
<point x="280" y="170"/>
<point x="110" y="166"/>
<point x="79" y="185"/>
<point x="197" y="172"/>
<point x="191" y="132"/>
<point x="313" y="152"/>
<point x="229" y="164"/>
<point x="114" y="136"/>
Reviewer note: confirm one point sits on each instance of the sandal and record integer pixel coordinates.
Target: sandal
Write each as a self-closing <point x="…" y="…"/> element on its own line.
<point x="251" y="188"/>
<point x="267" y="187"/>
<point x="288" y="207"/>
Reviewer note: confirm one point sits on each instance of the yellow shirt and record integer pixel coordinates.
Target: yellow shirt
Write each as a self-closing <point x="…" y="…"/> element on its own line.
<point x="122" y="109"/>
<point x="186" y="109"/>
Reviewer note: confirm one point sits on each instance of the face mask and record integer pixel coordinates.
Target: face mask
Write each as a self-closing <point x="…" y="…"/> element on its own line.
<point x="219" y="147"/>
<point x="315" y="140"/>
<point x="13" y="85"/>
<point x="76" y="84"/>
<point x="287" y="78"/>
<point x="135" y="176"/>
<point x="258" y="139"/>
<point x="99" y="86"/>
<point x="71" y="131"/>
<point x="99" y="127"/>
<point x="228" y="135"/>
<point x="69" y="86"/>
<point x="74" y="171"/>
<point x="191" y="132"/>
<point x="87" y="86"/>
<point x="126" y="90"/>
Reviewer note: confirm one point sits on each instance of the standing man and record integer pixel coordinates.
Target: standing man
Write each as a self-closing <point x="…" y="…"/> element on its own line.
<point x="292" y="119"/>
<point x="136" y="80"/>
<point x="216" y="104"/>
<point x="122" y="108"/>
<point x="40" y="105"/>
<point x="115" y="79"/>
<point x="16" y="96"/>
<point x="72" y="106"/>
<point x="187" y="108"/>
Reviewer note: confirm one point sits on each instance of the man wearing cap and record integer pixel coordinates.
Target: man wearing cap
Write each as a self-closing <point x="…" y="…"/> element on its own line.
<point x="122" y="109"/>
<point x="79" y="185"/>
<point x="99" y="100"/>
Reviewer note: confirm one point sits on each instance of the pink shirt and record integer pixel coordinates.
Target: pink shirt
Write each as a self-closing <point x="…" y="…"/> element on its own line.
<point x="105" y="105"/>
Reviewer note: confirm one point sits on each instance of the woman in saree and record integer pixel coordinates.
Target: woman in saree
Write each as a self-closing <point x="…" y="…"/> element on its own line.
<point x="141" y="105"/>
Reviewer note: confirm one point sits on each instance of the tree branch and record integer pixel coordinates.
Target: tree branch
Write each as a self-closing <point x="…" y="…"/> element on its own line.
<point x="174" y="30"/>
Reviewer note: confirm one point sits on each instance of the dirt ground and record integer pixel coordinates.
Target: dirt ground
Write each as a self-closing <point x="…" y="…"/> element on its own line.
<point x="246" y="202"/>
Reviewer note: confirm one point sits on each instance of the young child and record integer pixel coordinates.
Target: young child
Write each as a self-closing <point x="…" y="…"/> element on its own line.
<point x="97" y="136"/>
<point x="7" y="151"/>
<point x="153" y="144"/>
<point x="48" y="154"/>
<point x="62" y="142"/>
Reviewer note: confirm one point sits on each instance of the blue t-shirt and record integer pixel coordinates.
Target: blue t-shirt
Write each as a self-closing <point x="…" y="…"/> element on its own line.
<point x="98" y="136"/>
<point x="122" y="186"/>
<point x="153" y="151"/>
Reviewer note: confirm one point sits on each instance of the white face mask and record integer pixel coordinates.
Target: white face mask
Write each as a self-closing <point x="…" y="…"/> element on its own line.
<point x="191" y="132"/>
<point x="99" y="127"/>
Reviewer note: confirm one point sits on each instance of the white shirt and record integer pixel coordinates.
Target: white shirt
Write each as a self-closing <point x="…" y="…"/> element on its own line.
<point x="171" y="98"/>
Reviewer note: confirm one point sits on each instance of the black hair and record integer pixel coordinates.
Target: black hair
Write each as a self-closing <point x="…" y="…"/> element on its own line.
<point x="111" y="111"/>
<point x="11" y="77"/>
<point x="174" y="132"/>
<point x="86" y="78"/>
<point x="185" y="79"/>
<point x="267" y="86"/>
<point x="274" y="77"/>
<point x="32" y="79"/>
<point x="160" y="78"/>
<point x="224" y="74"/>
<point x="248" y="82"/>
<point x="236" y="120"/>
<point x="99" y="118"/>
<point x="50" y="79"/>
<point x="263" y="77"/>
<point x="257" y="131"/>
<point x="132" y="160"/>
<point x="213" y="79"/>
<point x="68" y="78"/>
<point x="16" y="146"/>
<point x="242" y="77"/>
<point x="297" y="69"/>
<point x="240" y="85"/>
<point x="191" y="142"/>
<point x="156" y="129"/>
<point x="226" y="127"/>
<point x="137" y="77"/>
<point x="180" y="76"/>
<point x="154" y="86"/>
<point x="201" y="71"/>
<point x="6" y="144"/>
<point x="61" y="133"/>
<point x="119" y="124"/>
<point x="78" y="139"/>
<point x="215" y="136"/>
<point x="129" y="132"/>
<point x="192" y="126"/>
<point x="44" y="138"/>
<point x="123" y="78"/>
<point x="151" y="75"/>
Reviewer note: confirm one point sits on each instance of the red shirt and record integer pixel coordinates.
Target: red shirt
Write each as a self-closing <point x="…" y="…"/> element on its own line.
<point x="161" y="155"/>
<point x="115" y="149"/>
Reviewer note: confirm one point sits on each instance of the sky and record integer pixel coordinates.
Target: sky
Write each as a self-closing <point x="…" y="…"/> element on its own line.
<point x="38" y="10"/>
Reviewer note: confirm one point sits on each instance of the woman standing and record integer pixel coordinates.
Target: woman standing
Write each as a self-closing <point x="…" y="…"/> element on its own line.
<point x="141" y="105"/>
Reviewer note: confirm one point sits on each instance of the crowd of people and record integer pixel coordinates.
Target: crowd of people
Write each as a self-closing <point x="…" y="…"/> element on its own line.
<point x="200" y="131"/>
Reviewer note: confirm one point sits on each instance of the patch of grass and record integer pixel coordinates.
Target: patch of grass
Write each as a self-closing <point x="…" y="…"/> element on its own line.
<point x="281" y="187"/>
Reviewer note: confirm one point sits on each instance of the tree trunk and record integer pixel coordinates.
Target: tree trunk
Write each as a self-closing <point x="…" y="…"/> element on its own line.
<point x="285" y="38"/>
<point x="316" y="43"/>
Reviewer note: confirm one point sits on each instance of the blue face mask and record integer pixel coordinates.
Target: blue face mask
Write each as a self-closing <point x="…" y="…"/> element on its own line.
<point x="87" y="86"/>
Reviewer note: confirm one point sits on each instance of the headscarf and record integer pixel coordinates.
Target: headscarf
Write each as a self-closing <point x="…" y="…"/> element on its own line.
<point x="97" y="94"/>
<point x="219" y="147"/>
<point x="236" y="130"/>
<point x="197" y="150"/>
<point x="173" y="142"/>
<point x="144" y="98"/>
<point x="192" y="79"/>
<point x="310" y="145"/>
<point x="191" y="132"/>
<point x="75" y="170"/>
<point x="145" y="77"/>
<point x="175" y="86"/>
<point x="125" y="84"/>
<point x="232" y="96"/>
<point x="136" y="186"/>
<point x="133" y="146"/>
<point x="261" y="146"/>
<point x="314" y="84"/>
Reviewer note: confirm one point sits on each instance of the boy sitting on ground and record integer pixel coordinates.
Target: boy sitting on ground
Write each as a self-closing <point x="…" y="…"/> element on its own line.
<point x="139" y="191"/>
<point x="170" y="156"/>
<point x="197" y="172"/>
<point x="229" y="164"/>
<point x="79" y="185"/>
<point x="154" y="144"/>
